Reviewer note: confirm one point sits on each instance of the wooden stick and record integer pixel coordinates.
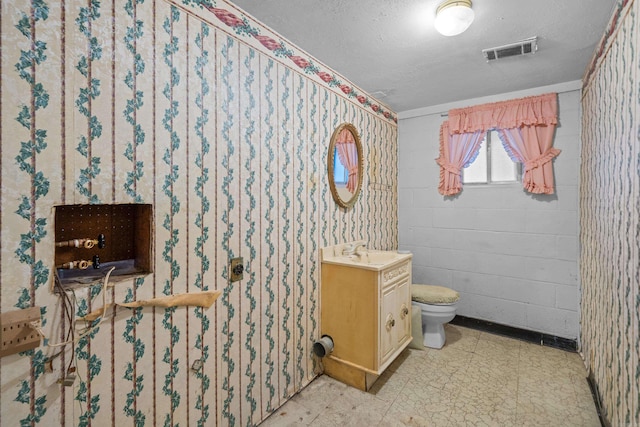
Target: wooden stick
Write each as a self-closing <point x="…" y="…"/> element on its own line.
<point x="198" y="299"/>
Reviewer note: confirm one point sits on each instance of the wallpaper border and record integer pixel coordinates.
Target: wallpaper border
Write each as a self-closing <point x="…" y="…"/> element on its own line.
<point x="607" y="39"/>
<point x="262" y="38"/>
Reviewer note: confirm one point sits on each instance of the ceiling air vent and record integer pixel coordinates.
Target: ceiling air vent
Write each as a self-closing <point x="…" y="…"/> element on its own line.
<point x="523" y="47"/>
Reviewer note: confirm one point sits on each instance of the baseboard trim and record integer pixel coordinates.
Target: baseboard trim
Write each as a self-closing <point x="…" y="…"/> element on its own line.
<point x="596" y="399"/>
<point x="518" y="333"/>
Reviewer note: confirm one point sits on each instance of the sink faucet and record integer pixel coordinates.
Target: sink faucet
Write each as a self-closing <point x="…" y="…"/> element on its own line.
<point x="352" y="248"/>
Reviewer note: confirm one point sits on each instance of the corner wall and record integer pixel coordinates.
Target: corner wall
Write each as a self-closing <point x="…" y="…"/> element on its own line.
<point x="512" y="256"/>
<point x="610" y="218"/>
<point x="224" y="127"/>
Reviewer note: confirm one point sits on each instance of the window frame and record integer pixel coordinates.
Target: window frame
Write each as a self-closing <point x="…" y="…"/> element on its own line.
<point x="490" y="143"/>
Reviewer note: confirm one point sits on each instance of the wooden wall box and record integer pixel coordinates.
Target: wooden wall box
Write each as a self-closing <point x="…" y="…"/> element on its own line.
<point x="127" y="230"/>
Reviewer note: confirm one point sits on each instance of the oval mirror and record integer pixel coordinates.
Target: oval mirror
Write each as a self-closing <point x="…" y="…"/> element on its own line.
<point x="345" y="165"/>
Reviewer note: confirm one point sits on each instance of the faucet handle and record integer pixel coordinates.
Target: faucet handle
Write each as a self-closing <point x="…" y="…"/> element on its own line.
<point x="347" y="249"/>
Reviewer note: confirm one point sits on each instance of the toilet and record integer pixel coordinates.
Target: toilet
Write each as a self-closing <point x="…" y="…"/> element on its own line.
<point x="438" y="306"/>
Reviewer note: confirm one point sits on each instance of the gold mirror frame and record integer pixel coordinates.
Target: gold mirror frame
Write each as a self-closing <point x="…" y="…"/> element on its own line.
<point x="331" y="159"/>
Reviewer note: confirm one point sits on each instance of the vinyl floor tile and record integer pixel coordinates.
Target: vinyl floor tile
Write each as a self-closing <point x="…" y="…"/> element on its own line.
<point x="291" y="413"/>
<point x="389" y="385"/>
<point x="476" y="379"/>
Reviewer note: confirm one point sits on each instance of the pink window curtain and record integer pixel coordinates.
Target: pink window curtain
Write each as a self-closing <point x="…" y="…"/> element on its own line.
<point x="526" y="127"/>
<point x="531" y="145"/>
<point x="456" y="151"/>
<point x="348" y="155"/>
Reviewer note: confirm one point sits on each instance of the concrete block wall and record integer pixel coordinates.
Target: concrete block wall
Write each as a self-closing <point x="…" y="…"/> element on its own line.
<point x="512" y="256"/>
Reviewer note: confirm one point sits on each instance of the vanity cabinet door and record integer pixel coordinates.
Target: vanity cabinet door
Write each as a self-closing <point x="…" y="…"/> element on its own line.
<point x="395" y="311"/>
<point x="403" y="307"/>
<point x="388" y="326"/>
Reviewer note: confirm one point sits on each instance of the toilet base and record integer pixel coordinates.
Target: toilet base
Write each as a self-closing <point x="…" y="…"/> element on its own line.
<point x="434" y="317"/>
<point x="433" y="335"/>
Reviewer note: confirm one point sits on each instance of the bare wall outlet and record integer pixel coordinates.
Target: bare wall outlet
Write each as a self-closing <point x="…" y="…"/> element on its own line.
<point x="16" y="333"/>
<point x="237" y="268"/>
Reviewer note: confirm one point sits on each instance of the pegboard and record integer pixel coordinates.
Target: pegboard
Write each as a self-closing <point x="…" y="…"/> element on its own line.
<point x="127" y="236"/>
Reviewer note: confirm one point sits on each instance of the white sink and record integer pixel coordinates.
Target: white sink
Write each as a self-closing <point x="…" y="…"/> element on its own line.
<point x="380" y="257"/>
<point x="369" y="259"/>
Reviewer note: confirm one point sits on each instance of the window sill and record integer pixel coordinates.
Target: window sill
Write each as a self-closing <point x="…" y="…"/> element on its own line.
<point x="492" y="185"/>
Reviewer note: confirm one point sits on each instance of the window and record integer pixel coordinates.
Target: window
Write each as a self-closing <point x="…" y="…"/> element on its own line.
<point x="492" y="165"/>
<point x="340" y="175"/>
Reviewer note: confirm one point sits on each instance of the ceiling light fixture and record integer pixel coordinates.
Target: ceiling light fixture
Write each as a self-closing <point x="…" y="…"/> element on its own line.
<point x="453" y="17"/>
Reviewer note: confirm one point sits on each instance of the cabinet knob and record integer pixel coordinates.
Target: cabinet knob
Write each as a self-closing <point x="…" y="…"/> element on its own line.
<point x="390" y="322"/>
<point x="404" y="312"/>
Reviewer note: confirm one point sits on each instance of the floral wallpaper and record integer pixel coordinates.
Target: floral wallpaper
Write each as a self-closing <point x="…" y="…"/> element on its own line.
<point x="224" y="128"/>
<point x="610" y="218"/>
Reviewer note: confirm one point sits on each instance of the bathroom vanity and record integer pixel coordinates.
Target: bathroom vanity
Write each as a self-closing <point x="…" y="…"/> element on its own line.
<point x="366" y="310"/>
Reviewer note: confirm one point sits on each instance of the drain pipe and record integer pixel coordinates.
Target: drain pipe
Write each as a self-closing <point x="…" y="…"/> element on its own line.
<point x="323" y="346"/>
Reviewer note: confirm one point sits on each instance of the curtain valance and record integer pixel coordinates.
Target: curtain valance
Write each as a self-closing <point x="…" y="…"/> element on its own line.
<point x="539" y="110"/>
<point x="526" y="127"/>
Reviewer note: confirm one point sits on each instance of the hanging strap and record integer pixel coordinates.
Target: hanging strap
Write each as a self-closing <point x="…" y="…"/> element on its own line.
<point x="448" y="166"/>
<point x="543" y="159"/>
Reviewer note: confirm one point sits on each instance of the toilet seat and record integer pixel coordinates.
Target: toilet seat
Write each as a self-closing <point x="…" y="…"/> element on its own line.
<point x="432" y="294"/>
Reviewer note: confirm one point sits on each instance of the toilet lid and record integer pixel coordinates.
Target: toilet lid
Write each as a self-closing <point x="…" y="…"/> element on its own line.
<point x="431" y="294"/>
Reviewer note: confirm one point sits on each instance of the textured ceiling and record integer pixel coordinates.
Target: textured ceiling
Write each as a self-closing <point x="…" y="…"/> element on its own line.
<point x="390" y="49"/>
